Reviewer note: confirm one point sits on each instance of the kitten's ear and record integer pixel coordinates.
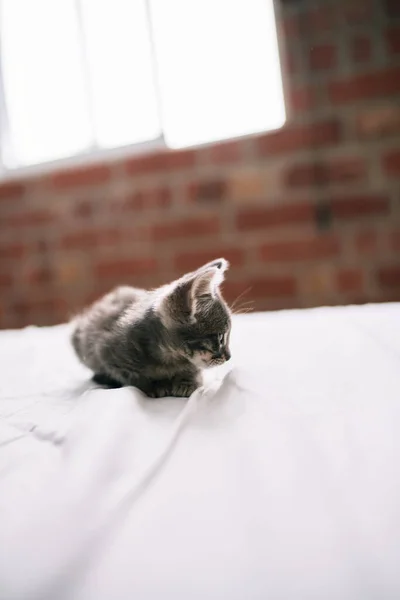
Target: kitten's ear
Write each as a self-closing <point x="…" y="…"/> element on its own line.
<point x="182" y="302"/>
<point x="219" y="263"/>
<point x="205" y="284"/>
<point x="207" y="279"/>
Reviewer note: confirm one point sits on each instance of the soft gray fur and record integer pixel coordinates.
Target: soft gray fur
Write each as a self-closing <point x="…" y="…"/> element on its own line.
<point x="159" y="340"/>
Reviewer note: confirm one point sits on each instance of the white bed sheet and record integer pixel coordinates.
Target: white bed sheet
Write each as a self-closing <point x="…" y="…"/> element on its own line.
<point x="280" y="479"/>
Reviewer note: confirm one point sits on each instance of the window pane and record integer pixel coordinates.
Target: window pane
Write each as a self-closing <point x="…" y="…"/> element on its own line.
<point x="219" y="68"/>
<point x="43" y="80"/>
<point x="121" y="71"/>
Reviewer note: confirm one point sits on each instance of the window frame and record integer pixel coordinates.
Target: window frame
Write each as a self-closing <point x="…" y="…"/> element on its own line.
<point x="94" y="153"/>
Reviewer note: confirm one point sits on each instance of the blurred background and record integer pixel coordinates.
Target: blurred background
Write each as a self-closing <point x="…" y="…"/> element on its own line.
<point x="140" y="139"/>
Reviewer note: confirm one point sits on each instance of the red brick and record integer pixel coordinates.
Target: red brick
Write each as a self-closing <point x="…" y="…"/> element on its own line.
<point x="167" y="160"/>
<point x="21" y="308"/>
<point x="12" y="250"/>
<point x="320" y="173"/>
<point x="305" y="175"/>
<point x="302" y="99"/>
<point x="391" y="163"/>
<point x="361" y="49"/>
<point x="134" y="202"/>
<point x="310" y="22"/>
<point x="84" y="208"/>
<point x="350" y="280"/>
<point x="207" y="191"/>
<point x="157" y="198"/>
<point x="260" y="287"/>
<point x="190" y="261"/>
<point x="12" y="190"/>
<point x="378" y="121"/>
<point x="248" y="183"/>
<point x="291" y="26"/>
<point x="322" y="56"/>
<point x="393" y="40"/>
<point x="300" y="137"/>
<point x="366" y="242"/>
<point x="345" y="169"/>
<point x="94" y="295"/>
<point x="362" y="87"/>
<point x="266" y="217"/>
<point x="358" y="206"/>
<point x="322" y="18"/>
<point x="82" y="176"/>
<point x="5" y="280"/>
<point x="160" y="197"/>
<point x="186" y="228"/>
<point x="289" y="62"/>
<point x="264" y="287"/>
<point x="356" y="12"/>
<point x="225" y="152"/>
<point x="299" y="250"/>
<point x="126" y="267"/>
<point x="90" y="238"/>
<point x="39" y="276"/>
<point x="28" y="218"/>
<point x="55" y="307"/>
<point x="146" y="163"/>
<point x="42" y="246"/>
<point x="389" y="276"/>
<point x="70" y="271"/>
<point x="178" y="159"/>
<point x="395" y="241"/>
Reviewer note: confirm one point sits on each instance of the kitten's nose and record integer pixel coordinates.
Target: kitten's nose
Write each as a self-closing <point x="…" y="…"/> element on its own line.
<point x="225" y="354"/>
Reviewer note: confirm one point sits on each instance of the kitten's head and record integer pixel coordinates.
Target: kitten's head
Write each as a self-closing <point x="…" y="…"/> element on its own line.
<point x="194" y="310"/>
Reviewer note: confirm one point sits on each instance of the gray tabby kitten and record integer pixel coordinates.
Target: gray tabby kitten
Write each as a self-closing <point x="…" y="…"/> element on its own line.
<point x="157" y="340"/>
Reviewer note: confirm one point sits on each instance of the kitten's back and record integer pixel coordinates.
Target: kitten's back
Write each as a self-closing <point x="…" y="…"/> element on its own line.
<point x="101" y="317"/>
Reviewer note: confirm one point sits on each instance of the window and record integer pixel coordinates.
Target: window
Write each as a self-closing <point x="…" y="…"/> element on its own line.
<point x="78" y="76"/>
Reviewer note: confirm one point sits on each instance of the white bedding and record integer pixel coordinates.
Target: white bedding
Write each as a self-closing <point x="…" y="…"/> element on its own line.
<point x="279" y="480"/>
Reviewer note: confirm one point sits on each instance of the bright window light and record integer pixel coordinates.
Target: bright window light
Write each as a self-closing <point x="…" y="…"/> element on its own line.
<point x="44" y="85"/>
<point x="79" y="76"/>
<point x="120" y="67"/>
<point x="218" y="67"/>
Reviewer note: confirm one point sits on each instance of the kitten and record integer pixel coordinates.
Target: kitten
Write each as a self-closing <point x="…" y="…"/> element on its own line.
<point x="159" y="340"/>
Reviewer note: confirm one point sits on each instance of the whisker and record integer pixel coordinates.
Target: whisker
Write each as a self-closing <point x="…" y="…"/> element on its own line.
<point x="239" y="296"/>
<point x="236" y="303"/>
<point x="249" y="304"/>
<point x="244" y="303"/>
<point x="242" y="311"/>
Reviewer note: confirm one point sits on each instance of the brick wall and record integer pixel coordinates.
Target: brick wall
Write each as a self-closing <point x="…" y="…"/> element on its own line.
<point x="307" y="215"/>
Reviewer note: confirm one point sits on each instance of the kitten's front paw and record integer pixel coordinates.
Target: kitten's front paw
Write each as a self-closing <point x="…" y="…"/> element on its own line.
<point x="181" y="389"/>
<point x="184" y="390"/>
<point x="158" y="392"/>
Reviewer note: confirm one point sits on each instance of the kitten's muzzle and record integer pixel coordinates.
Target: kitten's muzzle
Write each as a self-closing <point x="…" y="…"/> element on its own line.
<point x="225" y="355"/>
